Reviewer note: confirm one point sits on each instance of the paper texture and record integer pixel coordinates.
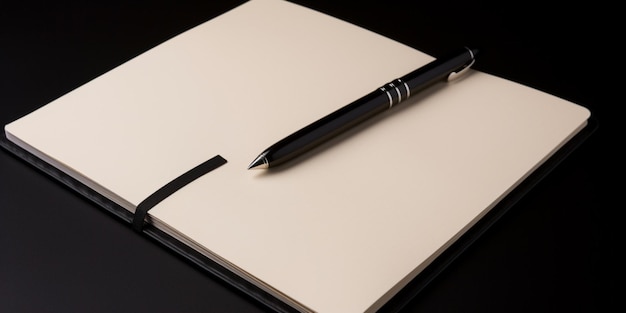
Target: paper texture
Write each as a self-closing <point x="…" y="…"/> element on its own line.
<point x="342" y="229"/>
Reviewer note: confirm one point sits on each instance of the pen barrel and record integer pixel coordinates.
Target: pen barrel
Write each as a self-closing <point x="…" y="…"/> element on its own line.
<point x="364" y="108"/>
<point x="327" y="127"/>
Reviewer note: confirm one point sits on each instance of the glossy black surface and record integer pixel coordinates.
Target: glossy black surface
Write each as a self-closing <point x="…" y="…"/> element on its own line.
<point x="557" y="250"/>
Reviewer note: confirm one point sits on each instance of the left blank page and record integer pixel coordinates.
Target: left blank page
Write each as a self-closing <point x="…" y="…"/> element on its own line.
<point x="229" y="86"/>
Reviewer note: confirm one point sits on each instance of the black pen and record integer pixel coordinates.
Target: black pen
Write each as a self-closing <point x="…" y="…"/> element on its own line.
<point x="379" y="100"/>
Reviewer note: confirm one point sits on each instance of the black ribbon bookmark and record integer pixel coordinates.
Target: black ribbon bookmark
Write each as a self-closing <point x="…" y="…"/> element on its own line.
<point x="173" y="186"/>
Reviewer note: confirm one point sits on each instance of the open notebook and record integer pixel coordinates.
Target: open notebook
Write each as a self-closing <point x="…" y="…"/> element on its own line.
<point x="340" y="230"/>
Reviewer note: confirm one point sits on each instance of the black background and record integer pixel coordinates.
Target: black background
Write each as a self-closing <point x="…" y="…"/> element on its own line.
<point x="555" y="251"/>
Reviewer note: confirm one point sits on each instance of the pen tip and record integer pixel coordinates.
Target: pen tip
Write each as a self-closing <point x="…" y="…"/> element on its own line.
<point x="259" y="163"/>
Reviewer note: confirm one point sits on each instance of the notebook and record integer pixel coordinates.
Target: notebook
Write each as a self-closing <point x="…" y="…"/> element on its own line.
<point x="343" y="229"/>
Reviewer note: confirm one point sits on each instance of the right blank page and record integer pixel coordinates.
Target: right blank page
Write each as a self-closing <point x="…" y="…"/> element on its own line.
<point x="346" y="228"/>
